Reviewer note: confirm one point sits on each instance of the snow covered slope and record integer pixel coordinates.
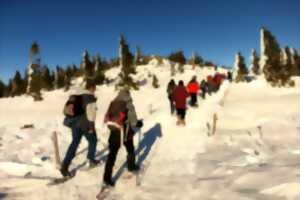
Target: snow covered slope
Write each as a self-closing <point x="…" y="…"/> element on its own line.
<point x="255" y="153"/>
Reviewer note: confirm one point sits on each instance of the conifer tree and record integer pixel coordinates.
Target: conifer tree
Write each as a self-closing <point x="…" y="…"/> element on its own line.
<point x="47" y="82"/>
<point x="179" y="58"/>
<point x="255" y="63"/>
<point x="34" y="73"/>
<point x="286" y="66"/>
<point x="138" y="56"/>
<point x="271" y="60"/>
<point x="127" y="66"/>
<point x="87" y="66"/>
<point x="240" y="67"/>
<point x="2" y="89"/>
<point x="59" y="78"/>
<point x="295" y="59"/>
<point x="196" y="59"/>
<point x="99" y="70"/>
<point x="17" y="85"/>
<point x="8" y="88"/>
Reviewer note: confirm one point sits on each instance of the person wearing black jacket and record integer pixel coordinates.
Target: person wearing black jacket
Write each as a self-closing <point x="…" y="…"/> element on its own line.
<point x="81" y="110"/>
<point x="170" y="89"/>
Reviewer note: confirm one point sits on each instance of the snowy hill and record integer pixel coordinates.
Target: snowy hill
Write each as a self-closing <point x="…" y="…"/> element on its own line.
<point x="254" y="154"/>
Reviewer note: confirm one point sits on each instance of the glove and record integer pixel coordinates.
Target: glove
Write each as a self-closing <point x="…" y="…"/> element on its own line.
<point x="139" y="124"/>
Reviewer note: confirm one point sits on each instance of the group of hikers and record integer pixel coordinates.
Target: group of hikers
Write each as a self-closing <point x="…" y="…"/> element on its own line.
<point x="178" y="94"/>
<point x="121" y="119"/>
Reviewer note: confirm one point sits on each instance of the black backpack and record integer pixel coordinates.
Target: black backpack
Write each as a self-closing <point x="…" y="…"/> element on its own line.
<point x="73" y="108"/>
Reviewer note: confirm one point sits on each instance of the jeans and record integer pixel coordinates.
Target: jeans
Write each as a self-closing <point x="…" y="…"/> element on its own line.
<point x="76" y="138"/>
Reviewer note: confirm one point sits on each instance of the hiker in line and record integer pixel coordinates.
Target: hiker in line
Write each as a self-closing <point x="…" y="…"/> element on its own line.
<point x="80" y="112"/>
<point x="229" y="76"/>
<point x="203" y="88"/>
<point x="179" y="96"/>
<point x="193" y="88"/>
<point x="170" y="89"/>
<point x="120" y="118"/>
<point x="210" y="85"/>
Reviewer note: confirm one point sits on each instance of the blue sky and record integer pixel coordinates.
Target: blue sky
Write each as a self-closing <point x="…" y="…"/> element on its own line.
<point x="216" y="29"/>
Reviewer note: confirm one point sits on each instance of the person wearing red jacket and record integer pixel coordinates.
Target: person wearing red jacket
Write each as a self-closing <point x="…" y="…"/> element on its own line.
<point x="217" y="79"/>
<point x="179" y="96"/>
<point x="193" y="88"/>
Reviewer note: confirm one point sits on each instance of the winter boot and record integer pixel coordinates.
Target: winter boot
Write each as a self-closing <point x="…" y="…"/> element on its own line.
<point x="132" y="167"/>
<point x="109" y="182"/>
<point x="135" y="168"/>
<point x="64" y="171"/>
<point x="93" y="163"/>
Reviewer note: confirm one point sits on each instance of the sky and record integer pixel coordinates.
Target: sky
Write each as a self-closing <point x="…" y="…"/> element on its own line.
<point x="216" y="29"/>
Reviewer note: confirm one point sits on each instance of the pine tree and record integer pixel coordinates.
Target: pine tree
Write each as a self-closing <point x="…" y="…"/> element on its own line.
<point x="34" y="73"/>
<point x="100" y="69"/>
<point x="59" y="78"/>
<point x="8" y="89"/>
<point x="240" y="67"/>
<point x="87" y="66"/>
<point x="270" y="60"/>
<point x="47" y="82"/>
<point x="295" y="59"/>
<point x="2" y="89"/>
<point x="286" y="66"/>
<point x="179" y="58"/>
<point x="254" y="63"/>
<point x="25" y="82"/>
<point x="196" y="59"/>
<point x="138" y="56"/>
<point x="127" y="66"/>
<point x="17" y="85"/>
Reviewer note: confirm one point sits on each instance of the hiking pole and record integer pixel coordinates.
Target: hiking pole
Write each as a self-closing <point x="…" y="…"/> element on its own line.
<point x="138" y="178"/>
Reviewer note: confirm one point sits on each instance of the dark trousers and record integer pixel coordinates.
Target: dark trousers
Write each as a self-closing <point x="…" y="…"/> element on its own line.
<point x="172" y="106"/>
<point x="181" y="113"/>
<point x="76" y="138"/>
<point x="193" y="99"/>
<point x="203" y="93"/>
<point x="114" y="143"/>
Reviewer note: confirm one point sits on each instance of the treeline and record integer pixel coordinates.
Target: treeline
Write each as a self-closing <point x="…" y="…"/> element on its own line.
<point x="39" y="77"/>
<point x="277" y="64"/>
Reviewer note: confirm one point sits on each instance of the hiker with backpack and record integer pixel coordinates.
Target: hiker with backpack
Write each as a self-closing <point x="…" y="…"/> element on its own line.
<point x="193" y="88"/>
<point x="179" y="96"/>
<point x="120" y="118"/>
<point x="80" y="115"/>
<point x="170" y="89"/>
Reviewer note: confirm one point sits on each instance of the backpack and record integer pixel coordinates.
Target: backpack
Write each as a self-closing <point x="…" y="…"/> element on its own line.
<point x="116" y="112"/>
<point x="73" y="108"/>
